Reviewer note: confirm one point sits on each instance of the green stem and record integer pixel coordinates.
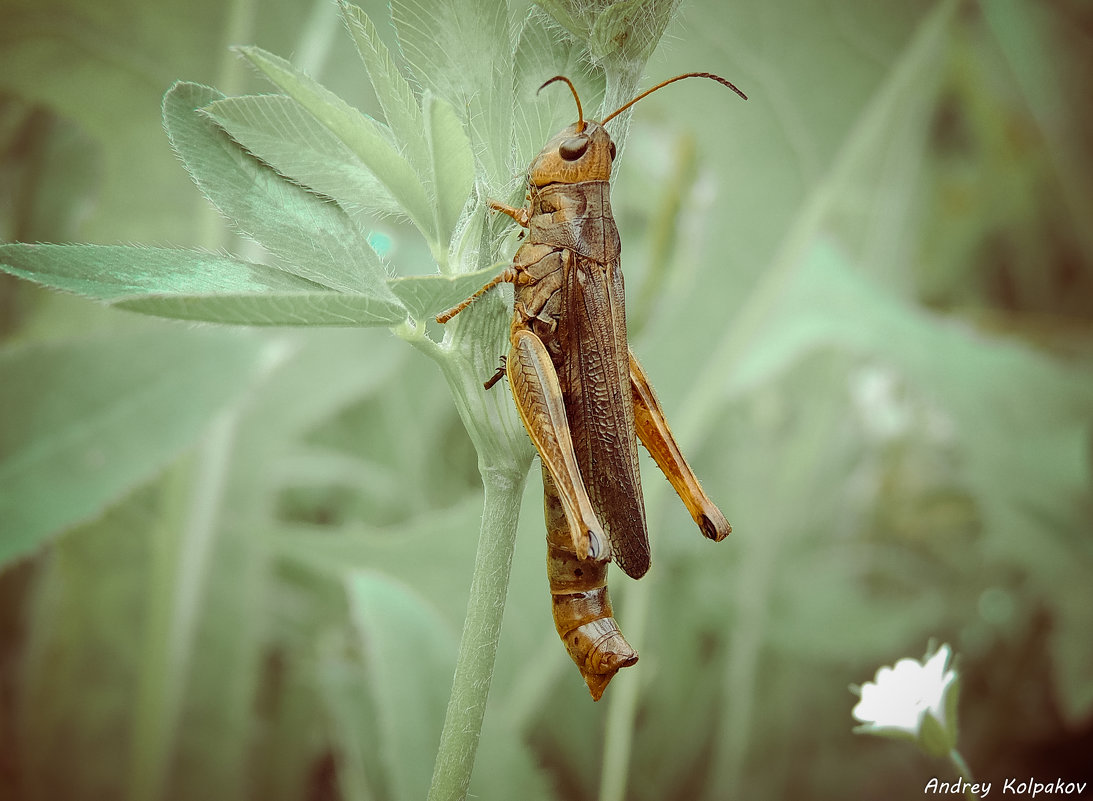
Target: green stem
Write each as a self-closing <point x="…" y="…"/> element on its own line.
<point x="467" y="355"/>
<point x="964" y="771"/>
<point x="478" y="646"/>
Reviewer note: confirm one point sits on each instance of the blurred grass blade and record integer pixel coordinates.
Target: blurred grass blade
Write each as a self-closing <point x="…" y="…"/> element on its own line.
<point x="371" y="142"/>
<point x="920" y="56"/>
<point x="79" y="668"/>
<point x="85" y="422"/>
<point x="281" y="133"/>
<point x="409" y="655"/>
<point x="313" y="238"/>
<point x="50" y="171"/>
<point x="1023" y="32"/>
<point x="184" y="542"/>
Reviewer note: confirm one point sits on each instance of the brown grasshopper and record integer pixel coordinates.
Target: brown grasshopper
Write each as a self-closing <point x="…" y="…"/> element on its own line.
<point x="584" y="399"/>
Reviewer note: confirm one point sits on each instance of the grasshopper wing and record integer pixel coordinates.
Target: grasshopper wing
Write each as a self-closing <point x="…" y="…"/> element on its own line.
<point x="600" y="407"/>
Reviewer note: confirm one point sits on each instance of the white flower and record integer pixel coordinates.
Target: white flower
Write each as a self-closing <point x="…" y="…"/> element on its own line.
<point x="913" y="700"/>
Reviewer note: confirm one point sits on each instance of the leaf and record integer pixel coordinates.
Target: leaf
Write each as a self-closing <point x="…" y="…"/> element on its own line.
<point x="461" y="50"/>
<point x="85" y="422"/>
<point x="282" y="308"/>
<point x="369" y="140"/>
<point x="194" y="285"/>
<point x="428" y="295"/>
<point x="314" y="238"/>
<point x="569" y="15"/>
<point x="397" y="99"/>
<point x="434" y="141"/>
<point x="453" y="163"/>
<point x="112" y="272"/>
<point x="281" y="133"/>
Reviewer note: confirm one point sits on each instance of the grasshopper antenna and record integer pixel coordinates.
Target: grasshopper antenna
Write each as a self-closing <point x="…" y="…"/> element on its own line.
<point x="661" y="85"/>
<point x="573" y="89"/>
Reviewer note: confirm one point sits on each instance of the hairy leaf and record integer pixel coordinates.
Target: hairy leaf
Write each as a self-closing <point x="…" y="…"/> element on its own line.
<point x="278" y="130"/>
<point x="368" y="139"/>
<point x="400" y="105"/>
<point x="313" y="237"/>
<point x="427" y="295"/>
<point x="461" y="50"/>
<point x="282" y="308"/>
<point x="112" y="272"/>
<point x="453" y="163"/>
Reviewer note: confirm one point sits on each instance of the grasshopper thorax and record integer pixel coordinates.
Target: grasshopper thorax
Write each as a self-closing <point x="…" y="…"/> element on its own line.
<point x="580" y="152"/>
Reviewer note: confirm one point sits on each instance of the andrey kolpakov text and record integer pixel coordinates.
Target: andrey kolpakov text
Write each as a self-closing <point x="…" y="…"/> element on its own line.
<point x="1030" y="787"/>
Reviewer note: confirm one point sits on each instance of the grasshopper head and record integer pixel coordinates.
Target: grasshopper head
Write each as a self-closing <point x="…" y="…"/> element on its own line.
<point x="584" y="151"/>
<point x="581" y="152"/>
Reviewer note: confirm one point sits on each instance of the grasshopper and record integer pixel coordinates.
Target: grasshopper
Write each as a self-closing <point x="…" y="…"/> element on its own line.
<point x="584" y="398"/>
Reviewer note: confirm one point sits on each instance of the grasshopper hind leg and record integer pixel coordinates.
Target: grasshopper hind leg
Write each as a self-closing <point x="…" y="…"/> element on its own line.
<point x="654" y="433"/>
<point x="538" y="398"/>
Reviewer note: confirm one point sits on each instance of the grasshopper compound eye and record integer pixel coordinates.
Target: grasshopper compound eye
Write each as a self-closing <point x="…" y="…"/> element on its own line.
<point x="573" y="148"/>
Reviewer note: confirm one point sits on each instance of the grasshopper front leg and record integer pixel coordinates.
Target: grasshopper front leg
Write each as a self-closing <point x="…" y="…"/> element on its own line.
<point x="654" y="433"/>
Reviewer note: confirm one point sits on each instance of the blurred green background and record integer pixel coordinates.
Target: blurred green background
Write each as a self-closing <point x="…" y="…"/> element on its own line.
<point x="237" y="561"/>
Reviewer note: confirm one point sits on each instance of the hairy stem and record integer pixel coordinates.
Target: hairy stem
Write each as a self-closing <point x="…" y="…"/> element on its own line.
<point x="481" y="630"/>
<point x="469" y="353"/>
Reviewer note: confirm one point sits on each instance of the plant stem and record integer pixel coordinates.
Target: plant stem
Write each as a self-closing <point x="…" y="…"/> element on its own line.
<point x="468" y="353"/>
<point x="964" y="771"/>
<point x="478" y="646"/>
